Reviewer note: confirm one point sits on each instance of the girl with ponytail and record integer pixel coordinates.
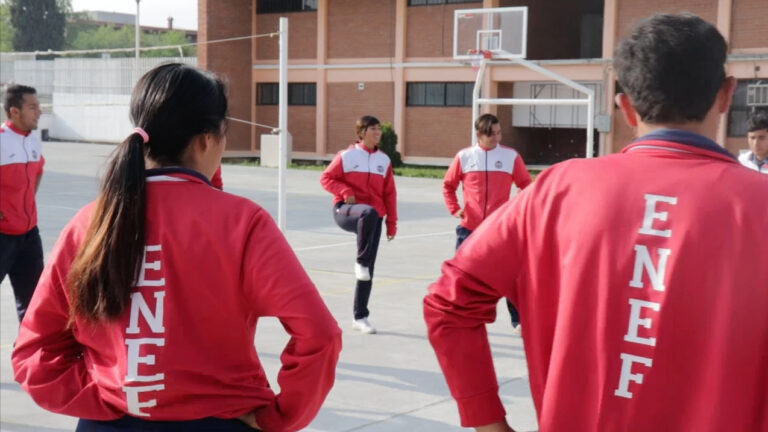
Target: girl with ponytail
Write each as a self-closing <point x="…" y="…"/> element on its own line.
<point x="144" y="318"/>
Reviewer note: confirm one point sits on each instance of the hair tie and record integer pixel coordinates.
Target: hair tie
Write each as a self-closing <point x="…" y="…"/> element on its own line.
<point x="143" y="133"/>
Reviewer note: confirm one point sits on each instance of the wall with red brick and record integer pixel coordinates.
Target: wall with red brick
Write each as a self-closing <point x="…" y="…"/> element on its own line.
<point x="437" y="131"/>
<point x="629" y="12"/>
<point x="347" y="104"/>
<point x="429" y="30"/>
<point x="361" y="28"/>
<point x="302" y="35"/>
<point x="749" y="24"/>
<point x="301" y="125"/>
<point x="230" y="60"/>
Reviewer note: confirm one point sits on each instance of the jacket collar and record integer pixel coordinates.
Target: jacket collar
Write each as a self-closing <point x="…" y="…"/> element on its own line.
<point x="680" y="140"/>
<point x="179" y="174"/>
<point x="10" y="126"/>
<point x="362" y="147"/>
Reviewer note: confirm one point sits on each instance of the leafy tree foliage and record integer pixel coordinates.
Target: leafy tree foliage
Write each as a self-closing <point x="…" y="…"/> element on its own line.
<point x="6" y="29"/>
<point x="106" y="37"/>
<point x="388" y="144"/>
<point x="38" y="24"/>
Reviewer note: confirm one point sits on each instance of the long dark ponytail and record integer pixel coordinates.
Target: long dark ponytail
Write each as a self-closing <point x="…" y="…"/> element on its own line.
<point x="172" y="103"/>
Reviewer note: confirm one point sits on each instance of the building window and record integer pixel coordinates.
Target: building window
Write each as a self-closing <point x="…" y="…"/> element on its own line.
<point x="456" y="94"/>
<point x="298" y="93"/>
<point x="439" y="2"/>
<point x="744" y="102"/>
<point x="281" y="6"/>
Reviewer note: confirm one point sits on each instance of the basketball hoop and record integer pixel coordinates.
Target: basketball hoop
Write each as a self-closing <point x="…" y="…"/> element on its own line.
<point x="476" y="57"/>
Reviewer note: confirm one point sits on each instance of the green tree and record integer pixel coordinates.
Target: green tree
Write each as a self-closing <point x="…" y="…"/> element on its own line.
<point x="38" y="24"/>
<point x="106" y="37"/>
<point x="6" y="29"/>
<point x="173" y="37"/>
<point x="388" y="144"/>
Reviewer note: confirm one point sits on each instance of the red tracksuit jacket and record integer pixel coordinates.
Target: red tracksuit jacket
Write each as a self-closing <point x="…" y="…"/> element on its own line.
<point x="214" y="264"/>
<point x="21" y="163"/>
<point x="368" y="176"/>
<point x="642" y="284"/>
<point x="486" y="177"/>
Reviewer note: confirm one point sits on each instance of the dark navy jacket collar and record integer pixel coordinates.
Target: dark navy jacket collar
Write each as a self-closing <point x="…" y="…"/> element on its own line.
<point x="170" y="171"/>
<point x="685" y="137"/>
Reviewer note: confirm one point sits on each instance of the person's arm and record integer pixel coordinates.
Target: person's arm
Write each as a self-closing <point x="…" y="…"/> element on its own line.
<point x="451" y="182"/>
<point x="521" y="176"/>
<point x="48" y="362"/>
<point x="276" y="285"/>
<point x="390" y="202"/>
<point x="40" y="176"/>
<point x="332" y="180"/>
<point x="463" y="301"/>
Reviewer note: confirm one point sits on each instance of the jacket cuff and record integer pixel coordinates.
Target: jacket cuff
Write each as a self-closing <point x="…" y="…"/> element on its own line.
<point x="269" y="419"/>
<point x="481" y="410"/>
<point x="391" y="228"/>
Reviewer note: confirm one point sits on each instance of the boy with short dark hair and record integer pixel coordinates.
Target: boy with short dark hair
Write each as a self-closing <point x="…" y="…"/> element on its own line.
<point x="21" y="168"/>
<point x="654" y="242"/>
<point x="757" y="139"/>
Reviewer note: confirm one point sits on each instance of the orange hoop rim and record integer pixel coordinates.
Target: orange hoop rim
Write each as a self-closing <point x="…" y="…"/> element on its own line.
<point x="476" y="57"/>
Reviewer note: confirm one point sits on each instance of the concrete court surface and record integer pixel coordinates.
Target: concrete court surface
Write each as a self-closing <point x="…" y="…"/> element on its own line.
<point x="385" y="382"/>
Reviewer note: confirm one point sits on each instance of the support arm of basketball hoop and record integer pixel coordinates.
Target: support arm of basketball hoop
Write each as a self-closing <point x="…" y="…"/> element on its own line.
<point x="282" y="119"/>
<point x="572" y="84"/>
<point x="476" y="97"/>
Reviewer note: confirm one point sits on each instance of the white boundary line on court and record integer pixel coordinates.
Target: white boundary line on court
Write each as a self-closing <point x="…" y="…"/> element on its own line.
<point x="352" y="243"/>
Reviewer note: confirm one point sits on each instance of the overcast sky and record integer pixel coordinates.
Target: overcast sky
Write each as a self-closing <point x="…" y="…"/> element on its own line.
<point x="153" y="13"/>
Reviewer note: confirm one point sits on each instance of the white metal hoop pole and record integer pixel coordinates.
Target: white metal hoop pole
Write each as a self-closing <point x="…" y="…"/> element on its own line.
<point x="282" y="122"/>
<point x="476" y="97"/>
<point x="590" y="147"/>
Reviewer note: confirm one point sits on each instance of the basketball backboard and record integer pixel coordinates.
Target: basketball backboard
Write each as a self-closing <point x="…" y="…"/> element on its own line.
<point x="502" y="31"/>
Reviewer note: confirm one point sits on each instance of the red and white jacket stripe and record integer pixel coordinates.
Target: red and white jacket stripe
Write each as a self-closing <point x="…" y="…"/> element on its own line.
<point x="643" y="301"/>
<point x="486" y="177"/>
<point x="21" y="164"/>
<point x="367" y="175"/>
<point x="214" y="265"/>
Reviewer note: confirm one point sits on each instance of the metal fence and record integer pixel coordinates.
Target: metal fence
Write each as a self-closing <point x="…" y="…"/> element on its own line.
<point x="79" y="75"/>
<point x="105" y="76"/>
<point x="84" y="99"/>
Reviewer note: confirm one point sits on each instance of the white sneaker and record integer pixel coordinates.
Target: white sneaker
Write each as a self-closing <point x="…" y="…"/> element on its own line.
<point x="362" y="273"/>
<point x="518" y="329"/>
<point x="363" y="326"/>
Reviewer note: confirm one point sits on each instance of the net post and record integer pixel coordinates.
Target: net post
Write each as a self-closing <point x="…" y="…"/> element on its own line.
<point x="282" y="122"/>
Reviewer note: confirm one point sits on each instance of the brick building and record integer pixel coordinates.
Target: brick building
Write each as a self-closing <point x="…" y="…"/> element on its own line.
<point x="393" y="59"/>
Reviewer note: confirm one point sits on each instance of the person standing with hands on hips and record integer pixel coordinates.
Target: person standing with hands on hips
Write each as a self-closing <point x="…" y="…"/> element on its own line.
<point x="363" y="187"/>
<point x="640" y="276"/>
<point x="162" y="271"/>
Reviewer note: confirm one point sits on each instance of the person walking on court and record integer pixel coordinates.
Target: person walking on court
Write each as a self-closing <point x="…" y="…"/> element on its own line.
<point x="144" y="318"/>
<point x="486" y="172"/>
<point x="663" y="244"/>
<point x="757" y="139"/>
<point x="363" y="187"/>
<point x="21" y="169"/>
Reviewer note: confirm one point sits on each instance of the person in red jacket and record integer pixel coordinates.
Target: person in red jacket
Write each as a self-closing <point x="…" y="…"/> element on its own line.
<point x="21" y="168"/>
<point x="664" y="244"/>
<point x="363" y="187"/>
<point x="486" y="172"/>
<point x="145" y="316"/>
